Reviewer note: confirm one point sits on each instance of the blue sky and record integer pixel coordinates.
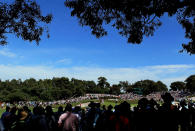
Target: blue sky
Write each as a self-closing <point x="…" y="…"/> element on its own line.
<point x="72" y="51"/>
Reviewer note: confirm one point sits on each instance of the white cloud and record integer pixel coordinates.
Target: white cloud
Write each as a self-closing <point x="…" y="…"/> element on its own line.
<point x="172" y="66"/>
<point x="6" y="52"/>
<point x="114" y="75"/>
<point x="65" y="61"/>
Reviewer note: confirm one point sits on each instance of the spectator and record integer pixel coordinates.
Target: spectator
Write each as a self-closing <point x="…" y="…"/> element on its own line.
<point x="20" y="124"/>
<point x="68" y="121"/>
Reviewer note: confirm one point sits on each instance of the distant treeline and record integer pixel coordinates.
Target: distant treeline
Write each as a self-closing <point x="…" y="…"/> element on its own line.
<point x="63" y="88"/>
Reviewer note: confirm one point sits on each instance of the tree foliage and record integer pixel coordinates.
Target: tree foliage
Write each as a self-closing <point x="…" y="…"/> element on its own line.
<point x="134" y="19"/>
<point x="177" y="85"/>
<point x="161" y="86"/>
<point x="190" y="83"/>
<point x="115" y="89"/>
<point x="63" y="88"/>
<point x="102" y="82"/>
<point x="48" y="89"/>
<point x="125" y="86"/>
<point x="149" y="86"/>
<point x="24" y="19"/>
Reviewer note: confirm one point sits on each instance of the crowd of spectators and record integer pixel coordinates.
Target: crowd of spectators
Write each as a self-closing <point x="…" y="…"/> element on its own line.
<point x="177" y="95"/>
<point x="44" y="104"/>
<point x="148" y="115"/>
<point x="130" y="96"/>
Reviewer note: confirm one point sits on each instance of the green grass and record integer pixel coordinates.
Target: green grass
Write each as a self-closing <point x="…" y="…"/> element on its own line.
<point x="113" y="103"/>
<point x="1" y="111"/>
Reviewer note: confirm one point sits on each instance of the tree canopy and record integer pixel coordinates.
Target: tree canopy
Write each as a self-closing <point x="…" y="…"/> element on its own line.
<point x="148" y="86"/>
<point x="24" y="19"/>
<point x="177" y="85"/>
<point x="63" y="88"/>
<point x="134" y="19"/>
<point x="190" y="83"/>
<point x="59" y="88"/>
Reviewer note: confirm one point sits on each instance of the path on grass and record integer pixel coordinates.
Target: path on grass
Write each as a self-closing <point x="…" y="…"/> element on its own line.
<point x="83" y="105"/>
